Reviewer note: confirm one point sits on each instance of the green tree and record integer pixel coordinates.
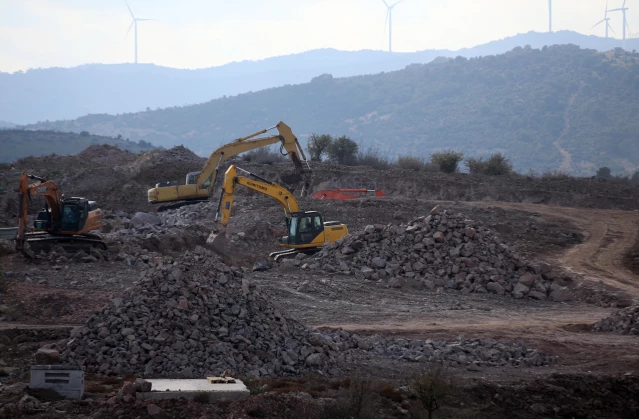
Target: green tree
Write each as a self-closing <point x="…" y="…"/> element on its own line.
<point x="343" y="150"/>
<point x="604" y="173"/>
<point x="498" y="165"/>
<point x="318" y="146"/>
<point x="447" y="160"/>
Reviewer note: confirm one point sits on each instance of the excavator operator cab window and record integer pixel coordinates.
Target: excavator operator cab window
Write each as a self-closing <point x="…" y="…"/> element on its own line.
<point x="191" y="178"/>
<point x="304" y="228"/>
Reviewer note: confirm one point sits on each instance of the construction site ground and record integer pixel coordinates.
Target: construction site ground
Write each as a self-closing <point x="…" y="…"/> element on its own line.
<point x="597" y="248"/>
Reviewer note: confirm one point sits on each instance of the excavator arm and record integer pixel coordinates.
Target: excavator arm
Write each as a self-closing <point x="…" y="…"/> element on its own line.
<point x="42" y="187"/>
<point x="207" y="177"/>
<point x="201" y="186"/>
<point x="231" y="179"/>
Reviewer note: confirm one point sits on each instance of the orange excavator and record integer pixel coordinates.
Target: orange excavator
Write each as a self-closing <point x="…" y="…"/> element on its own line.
<point x="64" y="221"/>
<point x="343" y="194"/>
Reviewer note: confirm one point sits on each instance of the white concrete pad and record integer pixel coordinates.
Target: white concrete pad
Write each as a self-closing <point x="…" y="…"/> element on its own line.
<point x="171" y="389"/>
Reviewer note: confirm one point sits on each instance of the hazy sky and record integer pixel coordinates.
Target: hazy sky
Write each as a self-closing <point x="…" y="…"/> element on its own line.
<point x="204" y="33"/>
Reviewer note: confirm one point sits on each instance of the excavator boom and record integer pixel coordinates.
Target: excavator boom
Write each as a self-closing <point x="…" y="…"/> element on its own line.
<point x="199" y="185"/>
<point x="306" y="229"/>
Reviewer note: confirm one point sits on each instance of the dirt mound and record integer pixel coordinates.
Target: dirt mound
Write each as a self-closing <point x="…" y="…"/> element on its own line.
<point x="625" y="322"/>
<point x="192" y="316"/>
<point x="440" y="250"/>
<point x="107" y="155"/>
<point x="165" y="165"/>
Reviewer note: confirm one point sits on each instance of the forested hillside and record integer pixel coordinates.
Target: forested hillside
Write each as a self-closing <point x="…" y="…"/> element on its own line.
<point x="17" y="143"/>
<point x="67" y="93"/>
<point x="560" y="107"/>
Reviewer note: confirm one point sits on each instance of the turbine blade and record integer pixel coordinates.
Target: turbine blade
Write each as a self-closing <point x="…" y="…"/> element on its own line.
<point x="396" y="3"/>
<point x="142" y="19"/>
<point x="598" y="23"/>
<point x="614" y="10"/>
<point x="385" y="3"/>
<point x="610" y="27"/>
<point x="130" y="11"/>
<point x="129" y="30"/>
<point x="624" y="4"/>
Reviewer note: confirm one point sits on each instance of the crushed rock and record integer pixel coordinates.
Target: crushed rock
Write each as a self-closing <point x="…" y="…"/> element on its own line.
<point x="441" y="250"/>
<point x="624" y="321"/>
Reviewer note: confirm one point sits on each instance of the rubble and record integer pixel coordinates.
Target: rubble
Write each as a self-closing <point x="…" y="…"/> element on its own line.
<point x="441" y="250"/>
<point x="193" y="316"/>
<point x="624" y="321"/>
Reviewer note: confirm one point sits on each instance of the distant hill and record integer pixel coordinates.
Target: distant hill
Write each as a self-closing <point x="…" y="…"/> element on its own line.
<point x="5" y="124"/>
<point x="558" y="108"/>
<point x="67" y="93"/>
<point x="18" y="143"/>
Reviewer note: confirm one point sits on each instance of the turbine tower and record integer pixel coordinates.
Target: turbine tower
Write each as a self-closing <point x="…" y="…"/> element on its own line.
<point x="389" y="20"/>
<point x="134" y="23"/>
<point x="550" y="16"/>
<point x="623" y="10"/>
<point x="607" y="20"/>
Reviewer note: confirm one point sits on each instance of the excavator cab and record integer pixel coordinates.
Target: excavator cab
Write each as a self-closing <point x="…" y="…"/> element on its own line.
<point x="308" y="228"/>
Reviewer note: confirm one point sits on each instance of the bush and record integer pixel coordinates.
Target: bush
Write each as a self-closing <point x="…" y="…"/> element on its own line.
<point x="373" y="158"/>
<point x="410" y="163"/>
<point x="343" y="150"/>
<point x="604" y="173"/>
<point x="447" y="160"/>
<point x="475" y="165"/>
<point x="434" y="388"/>
<point x="263" y="155"/>
<point x="318" y="146"/>
<point x="495" y="165"/>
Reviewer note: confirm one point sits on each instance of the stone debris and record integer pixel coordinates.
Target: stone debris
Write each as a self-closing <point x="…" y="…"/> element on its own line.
<point x="624" y="321"/>
<point x="193" y="316"/>
<point x="441" y="250"/>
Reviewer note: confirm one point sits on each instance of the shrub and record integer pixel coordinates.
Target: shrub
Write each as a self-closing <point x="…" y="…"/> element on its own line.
<point x="498" y="165"/>
<point x="434" y="388"/>
<point x="411" y="163"/>
<point x="374" y="159"/>
<point x="635" y="177"/>
<point x="343" y="150"/>
<point x="447" y="160"/>
<point x="475" y="165"/>
<point x="604" y="173"/>
<point x="318" y="146"/>
<point x="263" y="155"/>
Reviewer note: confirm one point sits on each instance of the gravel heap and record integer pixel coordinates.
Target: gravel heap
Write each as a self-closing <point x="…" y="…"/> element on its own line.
<point x="624" y="321"/>
<point x="193" y="316"/>
<point x="440" y="250"/>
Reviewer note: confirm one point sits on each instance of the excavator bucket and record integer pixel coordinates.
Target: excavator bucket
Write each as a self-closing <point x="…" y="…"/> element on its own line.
<point x="217" y="242"/>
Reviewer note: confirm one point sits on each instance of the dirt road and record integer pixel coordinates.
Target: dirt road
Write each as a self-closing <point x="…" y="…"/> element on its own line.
<point x="561" y="329"/>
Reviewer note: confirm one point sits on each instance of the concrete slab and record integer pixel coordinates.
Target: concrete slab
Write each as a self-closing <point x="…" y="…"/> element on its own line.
<point x="202" y="389"/>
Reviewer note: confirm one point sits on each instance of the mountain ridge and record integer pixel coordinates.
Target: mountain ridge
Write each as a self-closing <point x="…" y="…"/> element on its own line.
<point x="67" y="93"/>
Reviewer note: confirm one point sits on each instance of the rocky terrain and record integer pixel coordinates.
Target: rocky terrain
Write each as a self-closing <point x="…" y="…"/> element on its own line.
<point x="510" y="298"/>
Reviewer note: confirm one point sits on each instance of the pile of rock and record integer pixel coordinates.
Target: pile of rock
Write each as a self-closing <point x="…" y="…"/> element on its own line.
<point x="441" y="250"/>
<point x="624" y="321"/>
<point x="195" y="316"/>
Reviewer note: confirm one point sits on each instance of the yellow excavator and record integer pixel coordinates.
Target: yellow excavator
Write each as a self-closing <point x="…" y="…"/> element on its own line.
<point x="307" y="231"/>
<point x="199" y="185"/>
<point x="64" y="221"/>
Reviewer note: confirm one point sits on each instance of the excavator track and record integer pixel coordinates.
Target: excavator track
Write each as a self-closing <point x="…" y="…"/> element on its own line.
<point x="291" y="253"/>
<point x="177" y="205"/>
<point x="43" y="241"/>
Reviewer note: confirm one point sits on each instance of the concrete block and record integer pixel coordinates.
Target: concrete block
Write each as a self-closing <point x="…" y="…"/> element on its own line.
<point x="68" y="380"/>
<point x="189" y="389"/>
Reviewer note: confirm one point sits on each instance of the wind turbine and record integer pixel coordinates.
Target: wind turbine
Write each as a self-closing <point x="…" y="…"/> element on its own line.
<point x="134" y="23"/>
<point x="607" y="20"/>
<point x="623" y="10"/>
<point x="389" y="20"/>
<point x="550" y="16"/>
